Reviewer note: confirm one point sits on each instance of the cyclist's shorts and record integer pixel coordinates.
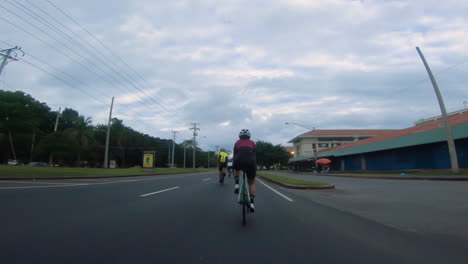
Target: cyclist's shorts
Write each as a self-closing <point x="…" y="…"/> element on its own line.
<point x="222" y="165"/>
<point x="247" y="165"/>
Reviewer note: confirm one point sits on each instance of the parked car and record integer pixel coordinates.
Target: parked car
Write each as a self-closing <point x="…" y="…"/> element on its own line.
<point x="13" y="162"/>
<point x="38" y="164"/>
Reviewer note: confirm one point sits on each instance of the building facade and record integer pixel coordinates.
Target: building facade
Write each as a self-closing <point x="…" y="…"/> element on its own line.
<point x="316" y="140"/>
<point x="423" y="146"/>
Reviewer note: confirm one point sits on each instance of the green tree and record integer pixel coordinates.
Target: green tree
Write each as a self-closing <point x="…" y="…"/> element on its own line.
<point x="82" y="132"/>
<point x="21" y="114"/>
<point x="68" y="119"/>
<point x="269" y="154"/>
<point x="61" y="144"/>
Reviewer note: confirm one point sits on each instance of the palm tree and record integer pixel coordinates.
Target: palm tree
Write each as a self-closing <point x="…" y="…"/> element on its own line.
<point x="83" y="133"/>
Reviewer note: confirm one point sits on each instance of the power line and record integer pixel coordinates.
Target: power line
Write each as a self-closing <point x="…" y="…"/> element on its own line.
<point x="62" y="80"/>
<point x="75" y="87"/>
<point x="55" y="29"/>
<point x="100" y="42"/>
<point x="91" y="46"/>
<point x="66" y="55"/>
<point x="59" y="71"/>
<point x="75" y="52"/>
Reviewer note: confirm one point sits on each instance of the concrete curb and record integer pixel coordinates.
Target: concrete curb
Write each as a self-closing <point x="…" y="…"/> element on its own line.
<point x="301" y="187"/>
<point x="421" y="178"/>
<point x="88" y="177"/>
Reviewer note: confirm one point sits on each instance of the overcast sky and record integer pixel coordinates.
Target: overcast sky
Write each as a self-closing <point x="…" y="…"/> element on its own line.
<point x="228" y="65"/>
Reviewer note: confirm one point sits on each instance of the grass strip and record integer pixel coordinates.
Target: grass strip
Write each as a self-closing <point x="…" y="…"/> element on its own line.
<point x="59" y="172"/>
<point x="291" y="181"/>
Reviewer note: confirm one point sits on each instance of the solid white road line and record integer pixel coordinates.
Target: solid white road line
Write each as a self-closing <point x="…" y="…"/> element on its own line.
<point x="36" y="182"/>
<point x="173" y="188"/>
<point x="45" y="186"/>
<point x="280" y="194"/>
<point x="206" y="179"/>
<point x="74" y="184"/>
<point x="110" y="182"/>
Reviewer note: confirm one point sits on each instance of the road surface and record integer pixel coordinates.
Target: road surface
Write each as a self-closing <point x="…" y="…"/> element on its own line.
<point x="190" y="218"/>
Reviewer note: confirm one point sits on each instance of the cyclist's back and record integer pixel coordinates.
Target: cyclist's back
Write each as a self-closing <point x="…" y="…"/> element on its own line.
<point x="244" y="159"/>
<point x="244" y="149"/>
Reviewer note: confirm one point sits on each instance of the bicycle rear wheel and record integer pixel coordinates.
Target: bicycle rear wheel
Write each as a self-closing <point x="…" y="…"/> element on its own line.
<point x="244" y="212"/>
<point x="244" y="198"/>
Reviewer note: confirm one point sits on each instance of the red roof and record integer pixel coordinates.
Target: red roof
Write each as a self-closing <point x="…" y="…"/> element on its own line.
<point x="453" y="120"/>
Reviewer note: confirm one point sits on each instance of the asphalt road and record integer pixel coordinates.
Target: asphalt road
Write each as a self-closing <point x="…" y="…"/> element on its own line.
<point x="192" y="219"/>
<point x="427" y="207"/>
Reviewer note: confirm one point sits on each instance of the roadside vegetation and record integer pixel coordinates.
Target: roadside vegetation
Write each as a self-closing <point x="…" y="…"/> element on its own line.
<point x="27" y="135"/>
<point x="49" y="172"/>
<point x="290" y="181"/>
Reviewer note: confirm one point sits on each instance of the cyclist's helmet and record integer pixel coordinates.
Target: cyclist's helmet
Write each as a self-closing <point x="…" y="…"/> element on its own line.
<point x="244" y="134"/>
<point x="222" y="149"/>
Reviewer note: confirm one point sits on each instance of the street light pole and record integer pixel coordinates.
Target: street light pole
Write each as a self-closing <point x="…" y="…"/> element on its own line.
<point x="51" y="155"/>
<point x="185" y="148"/>
<point x="448" y="129"/>
<point x="106" y="151"/>
<point x="173" y="148"/>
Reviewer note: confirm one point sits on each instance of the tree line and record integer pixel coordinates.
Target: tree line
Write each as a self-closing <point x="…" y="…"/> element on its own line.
<point x="27" y="134"/>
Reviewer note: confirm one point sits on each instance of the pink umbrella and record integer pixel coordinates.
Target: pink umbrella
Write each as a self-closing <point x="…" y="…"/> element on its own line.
<point x="323" y="161"/>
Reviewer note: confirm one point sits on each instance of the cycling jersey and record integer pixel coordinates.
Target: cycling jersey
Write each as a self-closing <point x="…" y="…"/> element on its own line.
<point x="223" y="157"/>
<point x="244" y="157"/>
<point x="244" y="148"/>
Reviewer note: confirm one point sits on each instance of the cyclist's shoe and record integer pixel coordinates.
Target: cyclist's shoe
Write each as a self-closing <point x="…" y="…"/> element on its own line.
<point x="252" y="208"/>
<point x="236" y="188"/>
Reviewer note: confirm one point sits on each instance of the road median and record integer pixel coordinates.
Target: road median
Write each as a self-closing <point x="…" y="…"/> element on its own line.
<point x="293" y="183"/>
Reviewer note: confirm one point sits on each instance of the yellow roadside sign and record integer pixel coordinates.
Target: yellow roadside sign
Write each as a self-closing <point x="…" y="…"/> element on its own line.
<point x="148" y="160"/>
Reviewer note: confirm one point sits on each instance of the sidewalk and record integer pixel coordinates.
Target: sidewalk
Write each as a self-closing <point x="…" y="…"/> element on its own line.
<point x="431" y="206"/>
<point x="406" y="176"/>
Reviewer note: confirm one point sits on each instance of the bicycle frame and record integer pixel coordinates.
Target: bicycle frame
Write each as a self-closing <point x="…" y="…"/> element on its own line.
<point x="244" y="195"/>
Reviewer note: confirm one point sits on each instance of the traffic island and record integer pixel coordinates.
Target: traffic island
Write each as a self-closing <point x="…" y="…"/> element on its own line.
<point x="293" y="183"/>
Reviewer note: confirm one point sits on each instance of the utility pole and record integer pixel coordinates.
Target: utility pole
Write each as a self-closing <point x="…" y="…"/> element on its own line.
<point x="51" y="156"/>
<point x="106" y="153"/>
<point x="173" y="147"/>
<point x="6" y="54"/>
<point x="448" y="128"/>
<point x="185" y="147"/>
<point x="32" y="146"/>
<point x="169" y="154"/>
<point x="194" y="143"/>
<point x="208" y="159"/>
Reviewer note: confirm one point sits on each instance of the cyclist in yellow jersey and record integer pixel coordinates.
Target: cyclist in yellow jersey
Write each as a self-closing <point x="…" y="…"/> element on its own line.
<point x="222" y="164"/>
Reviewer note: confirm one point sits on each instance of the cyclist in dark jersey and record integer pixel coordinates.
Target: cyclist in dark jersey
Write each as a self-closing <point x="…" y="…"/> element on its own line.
<point x="244" y="159"/>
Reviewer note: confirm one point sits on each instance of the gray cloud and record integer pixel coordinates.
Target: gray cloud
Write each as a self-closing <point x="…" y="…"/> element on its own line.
<point x="243" y="64"/>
